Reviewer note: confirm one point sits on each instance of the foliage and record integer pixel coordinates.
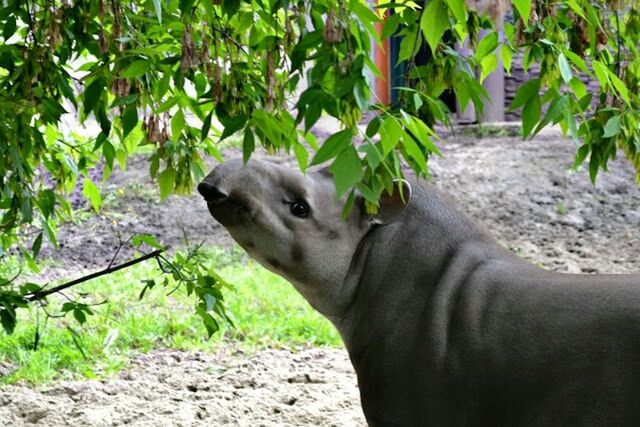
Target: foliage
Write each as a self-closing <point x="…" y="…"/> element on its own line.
<point x="264" y="311"/>
<point x="181" y="76"/>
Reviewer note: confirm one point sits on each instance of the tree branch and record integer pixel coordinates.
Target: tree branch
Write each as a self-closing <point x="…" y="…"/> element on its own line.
<point x="43" y="294"/>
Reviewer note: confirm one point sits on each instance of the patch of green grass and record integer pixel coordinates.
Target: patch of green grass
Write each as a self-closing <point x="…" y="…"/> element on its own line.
<point x="267" y="312"/>
<point x="561" y="208"/>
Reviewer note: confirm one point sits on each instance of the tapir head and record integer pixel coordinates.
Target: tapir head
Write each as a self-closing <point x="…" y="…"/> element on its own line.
<point x="292" y="224"/>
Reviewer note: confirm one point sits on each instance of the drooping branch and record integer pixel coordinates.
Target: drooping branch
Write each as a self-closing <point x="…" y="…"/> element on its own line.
<point x="39" y="295"/>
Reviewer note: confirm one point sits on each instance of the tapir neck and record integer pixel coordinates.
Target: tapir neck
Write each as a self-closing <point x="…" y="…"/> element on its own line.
<point x="399" y="265"/>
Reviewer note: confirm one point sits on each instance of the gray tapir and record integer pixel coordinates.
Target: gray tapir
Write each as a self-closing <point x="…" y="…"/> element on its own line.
<point x="443" y="326"/>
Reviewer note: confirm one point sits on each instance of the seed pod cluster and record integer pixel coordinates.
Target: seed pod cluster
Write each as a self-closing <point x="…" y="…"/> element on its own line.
<point x="332" y="30"/>
<point x="156" y="129"/>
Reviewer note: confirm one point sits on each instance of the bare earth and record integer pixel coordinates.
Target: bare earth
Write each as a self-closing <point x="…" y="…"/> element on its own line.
<point x="522" y="192"/>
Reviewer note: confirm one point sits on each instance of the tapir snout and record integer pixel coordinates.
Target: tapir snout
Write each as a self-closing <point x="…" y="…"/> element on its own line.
<point x="211" y="193"/>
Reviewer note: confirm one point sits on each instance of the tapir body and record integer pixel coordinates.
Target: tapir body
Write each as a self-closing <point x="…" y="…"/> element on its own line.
<point x="443" y="326"/>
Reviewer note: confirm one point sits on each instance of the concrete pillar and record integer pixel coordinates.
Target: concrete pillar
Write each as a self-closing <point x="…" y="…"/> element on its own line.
<point x="494" y="84"/>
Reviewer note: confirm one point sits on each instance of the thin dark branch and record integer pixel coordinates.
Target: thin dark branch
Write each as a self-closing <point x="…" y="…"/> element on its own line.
<point x="42" y="294"/>
<point x="13" y="278"/>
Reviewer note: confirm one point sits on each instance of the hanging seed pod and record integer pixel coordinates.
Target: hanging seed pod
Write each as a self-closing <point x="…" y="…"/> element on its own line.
<point x="205" y="56"/>
<point x="602" y="38"/>
<point x="52" y="34"/>
<point x="271" y="83"/>
<point x="332" y="30"/>
<point x="102" y="42"/>
<point x="153" y="129"/>
<point x="186" y="60"/>
<point x="217" y="82"/>
<point x="288" y="32"/>
<point x="120" y="87"/>
<point x="164" y="134"/>
<point x="101" y="10"/>
<point x="534" y="18"/>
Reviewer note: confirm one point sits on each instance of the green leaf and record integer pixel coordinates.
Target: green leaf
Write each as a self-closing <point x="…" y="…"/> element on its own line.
<point x="487" y="45"/>
<point x="9" y="27"/>
<point x="46" y="202"/>
<point x="363" y="12"/>
<point x="177" y="125"/>
<point x="312" y="114"/>
<point x="158" y="6"/>
<point x="248" y="144"/>
<point x="530" y="115"/>
<point x="136" y="69"/>
<point x="434" y="22"/>
<point x="612" y="128"/>
<point x="373" y="126"/>
<point x="571" y="124"/>
<point x="302" y="155"/>
<point x="148" y="239"/>
<point x="230" y="7"/>
<point x="488" y="64"/>
<point x="373" y="157"/>
<point x="49" y="227"/>
<point x="576" y="60"/>
<point x="390" y="25"/>
<point x="148" y="285"/>
<point x="507" y="58"/>
<point x="524" y="9"/>
<point x="619" y="85"/>
<point x="166" y="181"/>
<point x="80" y="316"/>
<point x="129" y="120"/>
<point x="458" y="9"/>
<point x="124" y="100"/>
<point x="413" y="150"/>
<point x="524" y="93"/>
<point x="92" y="95"/>
<point x="37" y="243"/>
<point x="554" y="113"/>
<point x="333" y="146"/>
<point x="209" y="322"/>
<point x="421" y="132"/>
<point x="8" y="321"/>
<point x="407" y="47"/>
<point x="92" y="194"/>
<point x="565" y="68"/>
<point x="206" y="126"/>
<point x="390" y="133"/>
<point x="578" y="87"/>
<point x="168" y="104"/>
<point x="234" y="124"/>
<point x="601" y="73"/>
<point x="346" y="170"/>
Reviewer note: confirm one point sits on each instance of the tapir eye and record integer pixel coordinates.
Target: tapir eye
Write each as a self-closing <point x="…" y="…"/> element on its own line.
<point x="299" y="209"/>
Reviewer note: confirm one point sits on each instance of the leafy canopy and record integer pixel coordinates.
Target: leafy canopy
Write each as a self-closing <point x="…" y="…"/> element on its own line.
<point x="181" y="76"/>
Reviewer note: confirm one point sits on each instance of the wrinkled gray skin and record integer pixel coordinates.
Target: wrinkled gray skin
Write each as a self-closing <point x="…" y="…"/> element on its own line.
<point x="442" y="325"/>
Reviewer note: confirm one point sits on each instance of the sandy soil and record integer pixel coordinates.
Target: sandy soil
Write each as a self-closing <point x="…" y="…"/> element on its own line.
<point x="522" y="192"/>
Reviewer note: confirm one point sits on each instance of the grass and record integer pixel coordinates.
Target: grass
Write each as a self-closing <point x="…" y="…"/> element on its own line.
<point x="267" y="312"/>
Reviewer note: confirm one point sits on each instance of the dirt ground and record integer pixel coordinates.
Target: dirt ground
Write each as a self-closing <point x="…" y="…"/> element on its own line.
<point x="524" y="193"/>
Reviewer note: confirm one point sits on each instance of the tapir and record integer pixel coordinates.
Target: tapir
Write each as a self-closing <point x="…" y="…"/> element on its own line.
<point x="444" y="327"/>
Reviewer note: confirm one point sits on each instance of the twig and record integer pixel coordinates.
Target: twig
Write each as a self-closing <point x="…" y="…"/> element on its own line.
<point x="42" y="294"/>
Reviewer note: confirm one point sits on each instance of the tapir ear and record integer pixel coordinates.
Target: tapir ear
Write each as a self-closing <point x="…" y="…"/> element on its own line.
<point x="393" y="204"/>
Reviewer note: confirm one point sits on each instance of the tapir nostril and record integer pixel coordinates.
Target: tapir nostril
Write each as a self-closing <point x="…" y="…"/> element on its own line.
<point x="211" y="193"/>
